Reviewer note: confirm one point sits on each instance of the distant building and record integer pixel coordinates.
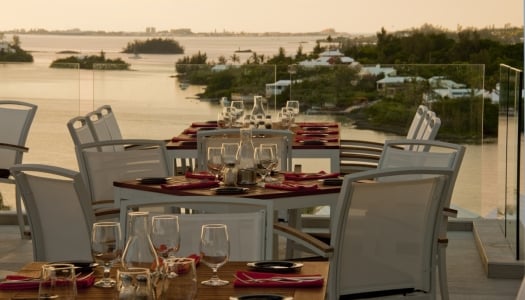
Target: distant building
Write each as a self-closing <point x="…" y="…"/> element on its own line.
<point x="328" y="58"/>
<point x="278" y="87"/>
<point x="389" y="85"/>
<point x="377" y="70"/>
<point x="4" y="47"/>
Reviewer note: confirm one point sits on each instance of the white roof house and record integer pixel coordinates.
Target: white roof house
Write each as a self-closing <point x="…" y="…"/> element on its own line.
<point x="4" y="46"/>
<point x="443" y="82"/>
<point x="377" y="70"/>
<point x="327" y="58"/>
<point x="278" y="87"/>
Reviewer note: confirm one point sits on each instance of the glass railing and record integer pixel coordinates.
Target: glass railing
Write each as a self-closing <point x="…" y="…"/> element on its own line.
<point x="509" y="154"/>
<point x="159" y="99"/>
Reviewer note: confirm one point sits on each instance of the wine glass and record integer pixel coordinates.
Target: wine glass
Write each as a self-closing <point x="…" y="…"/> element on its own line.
<point x="214" y="250"/>
<point x="229" y="154"/>
<point x="274" y="159"/>
<point x="237" y="110"/>
<point x="165" y="235"/>
<point x="214" y="161"/>
<point x="293" y="106"/>
<point x="106" y="247"/>
<point x="263" y="157"/>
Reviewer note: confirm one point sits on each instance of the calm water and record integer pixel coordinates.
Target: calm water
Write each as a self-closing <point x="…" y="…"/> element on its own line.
<point x="149" y="103"/>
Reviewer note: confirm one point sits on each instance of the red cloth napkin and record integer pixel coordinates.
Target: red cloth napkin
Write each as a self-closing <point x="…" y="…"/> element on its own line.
<point x="317" y="124"/>
<point x="183" y="139"/>
<point x="291" y="186"/>
<point x="246" y="279"/>
<point x="200" y="175"/>
<point x="190" y="130"/>
<point x="328" y="131"/>
<point x="204" y="124"/>
<point x="191" y="185"/>
<point x="18" y="282"/>
<point x="315" y="138"/>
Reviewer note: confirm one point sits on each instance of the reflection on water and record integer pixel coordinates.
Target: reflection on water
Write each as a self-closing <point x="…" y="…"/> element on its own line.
<point x="149" y="103"/>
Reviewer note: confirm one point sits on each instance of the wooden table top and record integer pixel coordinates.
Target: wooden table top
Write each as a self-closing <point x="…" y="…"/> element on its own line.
<point x="254" y="191"/>
<point x="204" y="292"/>
<point x="308" y="135"/>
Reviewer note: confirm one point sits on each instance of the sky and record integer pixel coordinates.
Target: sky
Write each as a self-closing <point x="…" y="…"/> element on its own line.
<point x="350" y="16"/>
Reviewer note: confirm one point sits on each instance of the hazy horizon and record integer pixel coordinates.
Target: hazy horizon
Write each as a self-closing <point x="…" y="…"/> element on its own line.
<point x="349" y="16"/>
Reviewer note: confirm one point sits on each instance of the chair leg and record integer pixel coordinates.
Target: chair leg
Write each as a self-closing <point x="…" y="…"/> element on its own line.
<point x="442" y="270"/>
<point x="20" y="215"/>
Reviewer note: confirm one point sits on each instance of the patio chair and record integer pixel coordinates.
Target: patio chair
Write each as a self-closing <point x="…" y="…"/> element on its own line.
<point x="215" y="138"/>
<point x="384" y="233"/>
<point x="427" y="153"/>
<point x="16" y="118"/>
<point x="59" y="215"/>
<point x="100" y="168"/>
<point x="80" y="131"/>
<point x="246" y="228"/>
<point x="362" y="155"/>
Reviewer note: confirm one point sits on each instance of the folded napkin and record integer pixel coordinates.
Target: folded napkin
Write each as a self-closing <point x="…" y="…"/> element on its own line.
<point x="183" y="139"/>
<point x="309" y="176"/>
<point x="18" y="282"/>
<point x="190" y="130"/>
<point x="328" y="131"/>
<point x="317" y="124"/>
<point x="263" y="279"/>
<point x="315" y="138"/>
<point x="291" y="186"/>
<point x="200" y="175"/>
<point x="204" y="124"/>
<point x="191" y="185"/>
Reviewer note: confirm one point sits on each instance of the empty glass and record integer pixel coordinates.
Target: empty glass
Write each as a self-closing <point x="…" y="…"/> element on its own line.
<point x="58" y="282"/>
<point x="264" y="157"/>
<point x="274" y="163"/>
<point x="214" y="250"/>
<point x="181" y="280"/>
<point x="165" y="235"/>
<point x="214" y="161"/>
<point x="106" y="247"/>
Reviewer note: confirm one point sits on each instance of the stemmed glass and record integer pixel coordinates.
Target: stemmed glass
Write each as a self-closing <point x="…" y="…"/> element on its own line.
<point x="214" y="161"/>
<point x="293" y="106"/>
<point x="237" y="110"/>
<point x="165" y="235"/>
<point x="274" y="160"/>
<point x="263" y="157"/>
<point x="106" y="247"/>
<point x="214" y="250"/>
<point x="229" y="153"/>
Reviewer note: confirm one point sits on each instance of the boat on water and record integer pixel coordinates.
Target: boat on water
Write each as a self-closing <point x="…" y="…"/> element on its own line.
<point x="224" y="101"/>
<point x="243" y="50"/>
<point x="183" y="85"/>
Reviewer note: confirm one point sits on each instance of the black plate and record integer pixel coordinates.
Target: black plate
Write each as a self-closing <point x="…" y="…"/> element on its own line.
<point x="277" y="266"/>
<point x="333" y="181"/>
<point x="230" y="190"/>
<point x="313" y="142"/>
<point x="81" y="266"/>
<point x="153" y="180"/>
<point x="261" y="297"/>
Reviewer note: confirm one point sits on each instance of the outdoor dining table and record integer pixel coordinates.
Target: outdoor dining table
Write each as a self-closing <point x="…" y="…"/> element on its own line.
<point x="227" y="272"/>
<point x="131" y="194"/>
<point x="319" y="140"/>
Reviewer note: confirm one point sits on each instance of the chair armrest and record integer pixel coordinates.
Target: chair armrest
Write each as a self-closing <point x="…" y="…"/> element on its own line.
<point x="360" y="143"/>
<point x="14" y="147"/>
<point x="306" y="240"/>
<point x="450" y="212"/>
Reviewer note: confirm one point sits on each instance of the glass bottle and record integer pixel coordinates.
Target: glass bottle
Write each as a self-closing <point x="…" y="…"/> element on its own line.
<point x="139" y="250"/>
<point x="246" y="173"/>
<point x="258" y="113"/>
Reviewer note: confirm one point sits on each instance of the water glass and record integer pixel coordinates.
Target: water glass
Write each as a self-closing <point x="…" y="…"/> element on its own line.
<point x="134" y="284"/>
<point x="58" y="282"/>
<point x="181" y="280"/>
<point x="214" y="250"/>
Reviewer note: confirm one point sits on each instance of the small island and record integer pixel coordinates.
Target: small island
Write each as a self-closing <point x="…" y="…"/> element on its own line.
<point x="90" y="62"/>
<point x="12" y="52"/>
<point x="154" y="46"/>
